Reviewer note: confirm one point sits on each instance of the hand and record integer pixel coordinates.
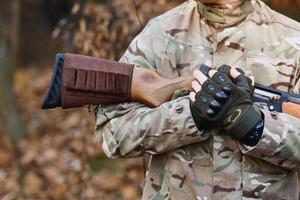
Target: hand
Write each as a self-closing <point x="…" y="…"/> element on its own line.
<point x="222" y="98"/>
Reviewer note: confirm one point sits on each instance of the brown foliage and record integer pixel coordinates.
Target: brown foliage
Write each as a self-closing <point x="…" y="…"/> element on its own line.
<point x="105" y="30"/>
<point x="60" y="157"/>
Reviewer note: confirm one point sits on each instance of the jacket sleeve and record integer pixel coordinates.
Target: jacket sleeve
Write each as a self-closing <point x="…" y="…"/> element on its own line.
<point x="133" y="129"/>
<point x="280" y="142"/>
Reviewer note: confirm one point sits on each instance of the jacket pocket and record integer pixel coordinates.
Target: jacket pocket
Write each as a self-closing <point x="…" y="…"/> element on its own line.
<point x="272" y="72"/>
<point x="262" y="179"/>
<point x="190" y="171"/>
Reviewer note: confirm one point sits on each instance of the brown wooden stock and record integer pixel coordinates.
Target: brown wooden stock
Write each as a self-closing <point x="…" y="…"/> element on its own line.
<point x="291" y="108"/>
<point x="148" y="87"/>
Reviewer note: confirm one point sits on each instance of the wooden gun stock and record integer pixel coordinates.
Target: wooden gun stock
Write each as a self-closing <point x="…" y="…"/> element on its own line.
<point x="151" y="89"/>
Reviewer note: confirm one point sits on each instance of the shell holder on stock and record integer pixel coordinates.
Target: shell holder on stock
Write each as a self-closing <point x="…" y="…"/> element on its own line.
<point x="82" y="80"/>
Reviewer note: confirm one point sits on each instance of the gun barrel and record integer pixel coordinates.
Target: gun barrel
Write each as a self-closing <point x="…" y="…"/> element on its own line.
<point x="294" y="99"/>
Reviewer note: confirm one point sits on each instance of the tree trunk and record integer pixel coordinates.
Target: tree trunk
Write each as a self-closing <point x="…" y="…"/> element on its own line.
<point x="10" y="122"/>
<point x="16" y="10"/>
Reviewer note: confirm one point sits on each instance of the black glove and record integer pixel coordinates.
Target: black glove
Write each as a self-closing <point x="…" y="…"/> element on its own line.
<point x="226" y="103"/>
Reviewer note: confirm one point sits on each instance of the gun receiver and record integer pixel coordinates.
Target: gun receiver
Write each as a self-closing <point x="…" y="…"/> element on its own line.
<point x="277" y="100"/>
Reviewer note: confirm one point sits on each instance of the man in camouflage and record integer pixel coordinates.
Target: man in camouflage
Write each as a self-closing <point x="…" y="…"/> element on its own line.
<point x="187" y="163"/>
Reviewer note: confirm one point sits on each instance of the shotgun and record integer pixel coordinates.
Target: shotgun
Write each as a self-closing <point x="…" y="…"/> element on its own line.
<point x="81" y="80"/>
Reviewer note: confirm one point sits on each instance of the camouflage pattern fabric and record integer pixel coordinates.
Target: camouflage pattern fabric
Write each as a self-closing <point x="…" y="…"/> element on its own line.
<point x="189" y="164"/>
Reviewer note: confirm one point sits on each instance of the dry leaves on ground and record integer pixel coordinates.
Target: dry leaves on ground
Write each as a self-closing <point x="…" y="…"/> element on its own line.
<point x="60" y="157"/>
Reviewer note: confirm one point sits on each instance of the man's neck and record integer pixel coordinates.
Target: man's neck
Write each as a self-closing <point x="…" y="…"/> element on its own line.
<point x="223" y="13"/>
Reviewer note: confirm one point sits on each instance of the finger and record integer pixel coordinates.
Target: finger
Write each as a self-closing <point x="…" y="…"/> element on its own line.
<point x="204" y="69"/>
<point x="200" y="77"/>
<point x="252" y="79"/>
<point x="196" y="86"/>
<point x="234" y="73"/>
<point x="225" y="69"/>
<point x="240" y="70"/>
<point x="211" y="73"/>
<point x="193" y="96"/>
<point x="240" y="79"/>
<point x="215" y="105"/>
<point x="208" y="63"/>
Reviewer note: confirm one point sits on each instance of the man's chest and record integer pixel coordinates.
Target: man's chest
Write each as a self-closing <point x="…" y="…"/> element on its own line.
<point x="269" y="59"/>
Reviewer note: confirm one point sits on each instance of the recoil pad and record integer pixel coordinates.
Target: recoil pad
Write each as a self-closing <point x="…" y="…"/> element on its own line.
<point x="90" y="81"/>
<point x="52" y="98"/>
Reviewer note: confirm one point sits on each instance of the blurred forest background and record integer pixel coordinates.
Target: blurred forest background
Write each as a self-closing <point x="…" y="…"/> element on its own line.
<point x="54" y="154"/>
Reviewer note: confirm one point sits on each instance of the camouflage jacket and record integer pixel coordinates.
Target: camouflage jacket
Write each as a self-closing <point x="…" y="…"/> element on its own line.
<point x="186" y="163"/>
